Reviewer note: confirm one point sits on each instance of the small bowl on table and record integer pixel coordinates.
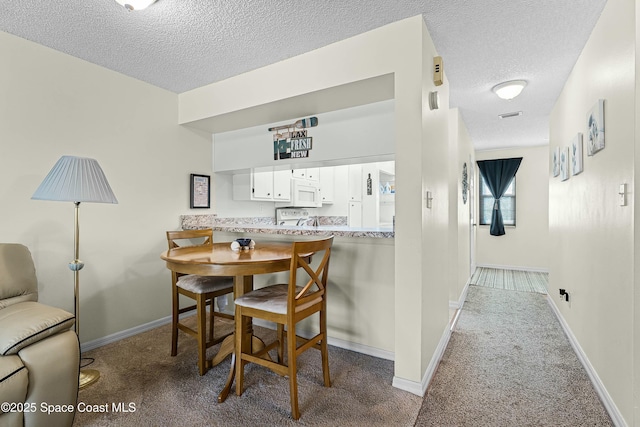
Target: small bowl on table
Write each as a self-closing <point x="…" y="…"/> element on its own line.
<point x="244" y="243"/>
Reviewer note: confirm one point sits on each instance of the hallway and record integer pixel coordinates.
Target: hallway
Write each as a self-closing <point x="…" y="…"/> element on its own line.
<point x="509" y="363"/>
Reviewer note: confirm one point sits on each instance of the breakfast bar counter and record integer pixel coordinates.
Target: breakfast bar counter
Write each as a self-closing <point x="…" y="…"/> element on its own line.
<point x="320" y="230"/>
<point x="267" y="226"/>
<point x="361" y="289"/>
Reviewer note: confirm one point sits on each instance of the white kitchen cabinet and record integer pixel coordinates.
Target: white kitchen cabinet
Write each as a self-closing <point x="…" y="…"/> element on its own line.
<point x="355" y="214"/>
<point x="263" y="186"/>
<point x="282" y="185"/>
<point x="355" y="183"/>
<point x="327" y="183"/>
<point x="312" y="174"/>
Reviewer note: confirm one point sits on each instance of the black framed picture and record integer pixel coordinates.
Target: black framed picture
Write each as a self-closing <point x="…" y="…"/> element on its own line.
<point x="200" y="191"/>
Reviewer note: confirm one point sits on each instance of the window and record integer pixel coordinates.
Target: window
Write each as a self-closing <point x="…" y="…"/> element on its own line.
<point x="507" y="204"/>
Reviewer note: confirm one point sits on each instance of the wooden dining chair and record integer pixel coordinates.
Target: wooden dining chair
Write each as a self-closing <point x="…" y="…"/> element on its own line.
<point x="286" y="305"/>
<point x="202" y="289"/>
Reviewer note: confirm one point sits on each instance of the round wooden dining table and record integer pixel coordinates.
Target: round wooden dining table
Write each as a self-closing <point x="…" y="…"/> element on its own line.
<point x="220" y="260"/>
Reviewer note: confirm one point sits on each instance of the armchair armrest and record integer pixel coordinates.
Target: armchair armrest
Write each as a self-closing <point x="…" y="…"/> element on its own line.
<point x="25" y="323"/>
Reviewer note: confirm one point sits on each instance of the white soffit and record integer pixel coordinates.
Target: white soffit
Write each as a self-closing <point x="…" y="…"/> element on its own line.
<point x="180" y="45"/>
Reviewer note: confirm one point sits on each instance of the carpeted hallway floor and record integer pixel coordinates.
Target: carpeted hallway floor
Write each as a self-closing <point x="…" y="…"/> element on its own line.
<point x="508" y="363"/>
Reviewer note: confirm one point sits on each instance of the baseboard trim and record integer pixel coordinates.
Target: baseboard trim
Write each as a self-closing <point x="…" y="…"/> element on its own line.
<point x="420" y="388"/>
<point x="512" y="267"/>
<point x="463" y="295"/>
<point x="91" y="345"/>
<point x="459" y="304"/>
<point x="606" y="399"/>
<point x="336" y="342"/>
<point x="358" y="348"/>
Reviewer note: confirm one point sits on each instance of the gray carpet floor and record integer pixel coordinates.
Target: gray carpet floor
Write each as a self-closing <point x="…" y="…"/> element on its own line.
<point x="167" y="391"/>
<point x="508" y="363"/>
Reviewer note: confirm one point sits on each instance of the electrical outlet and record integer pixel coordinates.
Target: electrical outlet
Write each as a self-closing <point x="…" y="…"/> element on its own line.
<point x="564" y="294"/>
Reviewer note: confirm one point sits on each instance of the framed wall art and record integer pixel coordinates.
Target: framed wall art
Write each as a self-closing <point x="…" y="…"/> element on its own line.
<point x="564" y="164"/>
<point x="555" y="161"/>
<point x="595" y="126"/>
<point x="200" y="191"/>
<point x="577" y="164"/>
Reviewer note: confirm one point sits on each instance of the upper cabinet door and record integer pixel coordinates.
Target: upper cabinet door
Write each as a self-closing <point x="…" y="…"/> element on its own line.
<point x="355" y="183"/>
<point x="313" y="174"/>
<point x="326" y="185"/>
<point x="262" y="185"/>
<point x="282" y="185"/>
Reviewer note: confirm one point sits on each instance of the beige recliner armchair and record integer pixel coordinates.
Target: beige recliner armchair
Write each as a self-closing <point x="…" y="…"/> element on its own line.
<point x="39" y="353"/>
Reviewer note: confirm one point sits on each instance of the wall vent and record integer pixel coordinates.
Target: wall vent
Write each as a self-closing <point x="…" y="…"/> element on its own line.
<point x="507" y="115"/>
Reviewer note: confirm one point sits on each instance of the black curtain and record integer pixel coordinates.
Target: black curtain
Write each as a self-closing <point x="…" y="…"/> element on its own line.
<point x="498" y="175"/>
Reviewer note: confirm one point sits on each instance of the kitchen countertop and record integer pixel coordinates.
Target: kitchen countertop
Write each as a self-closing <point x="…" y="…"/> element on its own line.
<point x="336" y="230"/>
<point x="266" y="225"/>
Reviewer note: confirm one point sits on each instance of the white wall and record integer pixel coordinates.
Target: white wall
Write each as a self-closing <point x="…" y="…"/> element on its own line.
<point x="591" y="251"/>
<point x="404" y="52"/>
<point x="349" y="135"/>
<point x="433" y="147"/>
<point x="526" y="245"/>
<point x="52" y="105"/>
<point x="636" y="227"/>
<point x="461" y="152"/>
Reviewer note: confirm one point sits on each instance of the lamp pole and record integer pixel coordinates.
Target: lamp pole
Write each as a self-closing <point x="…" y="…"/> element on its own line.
<point x="87" y="376"/>
<point x="75" y="266"/>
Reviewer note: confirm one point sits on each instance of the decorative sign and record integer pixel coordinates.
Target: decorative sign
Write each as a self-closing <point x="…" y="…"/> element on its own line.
<point x="293" y="144"/>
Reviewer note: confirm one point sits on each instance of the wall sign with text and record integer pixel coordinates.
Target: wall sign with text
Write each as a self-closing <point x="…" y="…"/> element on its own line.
<point x="294" y="143"/>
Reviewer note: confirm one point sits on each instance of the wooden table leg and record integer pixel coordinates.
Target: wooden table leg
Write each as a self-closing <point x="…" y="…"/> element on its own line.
<point x="241" y="285"/>
<point x="257" y="344"/>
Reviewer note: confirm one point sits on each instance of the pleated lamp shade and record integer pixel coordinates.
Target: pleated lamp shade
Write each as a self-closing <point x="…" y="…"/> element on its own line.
<point x="75" y="179"/>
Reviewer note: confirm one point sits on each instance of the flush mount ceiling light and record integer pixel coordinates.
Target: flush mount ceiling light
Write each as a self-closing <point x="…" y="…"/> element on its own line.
<point x="509" y="90"/>
<point x="136" y="4"/>
<point x="508" y="115"/>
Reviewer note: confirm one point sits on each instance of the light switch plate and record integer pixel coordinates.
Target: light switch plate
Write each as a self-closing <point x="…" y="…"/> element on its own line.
<point x="622" y="195"/>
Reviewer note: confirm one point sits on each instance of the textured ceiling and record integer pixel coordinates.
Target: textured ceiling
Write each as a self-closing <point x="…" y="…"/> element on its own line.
<point x="183" y="44"/>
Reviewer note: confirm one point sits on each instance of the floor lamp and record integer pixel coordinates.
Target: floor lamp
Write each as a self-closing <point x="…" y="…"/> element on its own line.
<point x="77" y="180"/>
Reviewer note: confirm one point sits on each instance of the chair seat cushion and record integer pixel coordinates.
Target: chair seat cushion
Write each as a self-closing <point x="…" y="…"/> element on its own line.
<point x="205" y="284"/>
<point x="24" y="323"/>
<point x="272" y="299"/>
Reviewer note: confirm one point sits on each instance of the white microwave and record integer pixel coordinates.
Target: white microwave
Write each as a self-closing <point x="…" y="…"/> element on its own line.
<point x="305" y="194"/>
